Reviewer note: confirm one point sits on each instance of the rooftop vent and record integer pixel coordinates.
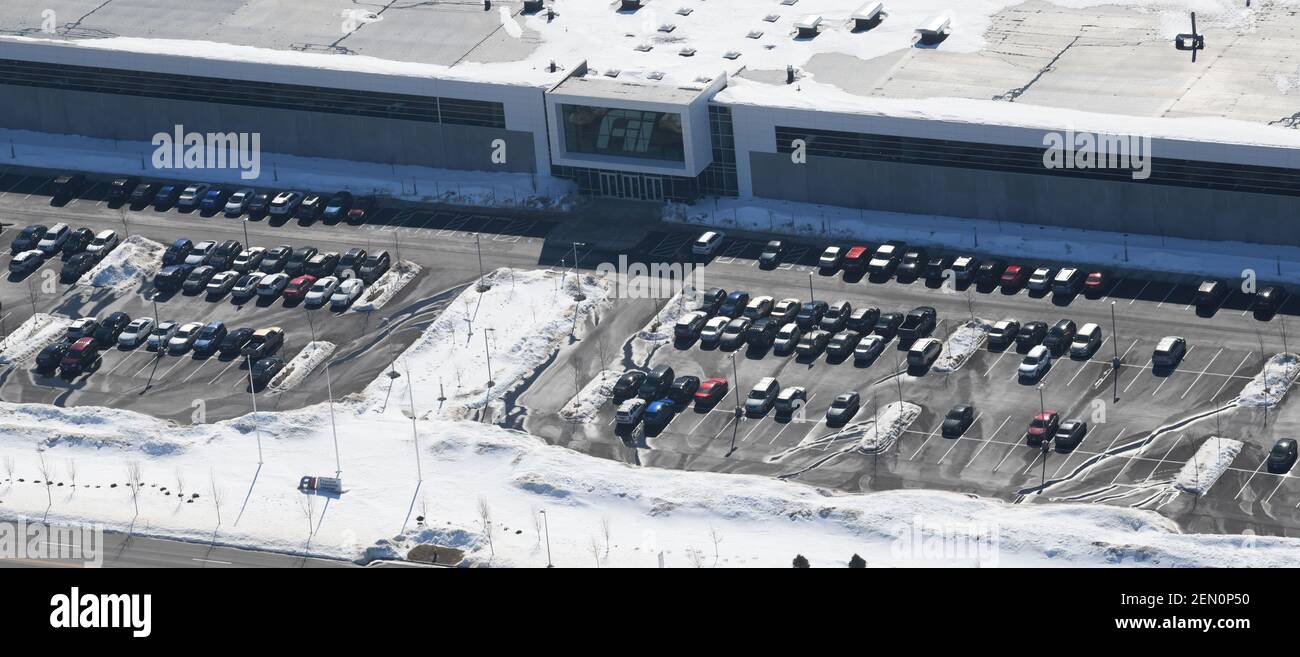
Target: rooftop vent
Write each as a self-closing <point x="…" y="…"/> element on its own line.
<point x="629" y="5"/>
<point x="667" y="27"/>
<point x="732" y="54"/>
<point x="643" y="47"/>
<point x="684" y="11"/>
<point x="771" y="18"/>
<point x="867" y="16"/>
<point x="655" y="75"/>
<point x="934" y="29"/>
<point x="755" y="34"/>
<point x="532" y="6"/>
<point x="789" y="3"/>
<point x="686" y="52"/>
<point x="807" y="26"/>
<point x="612" y="73"/>
<point x="704" y="79"/>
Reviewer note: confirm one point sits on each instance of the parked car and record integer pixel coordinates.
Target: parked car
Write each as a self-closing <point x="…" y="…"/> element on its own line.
<point x="272" y="285"/>
<point x="711" y="391"/>
<point x="711" y="334"/>
<point x="77" y="242"/>
<point x="855" y="258"/>
<point x="869" y="349"/>
<point x="842" y="409"/>
<point x="361" y="210"/>
<point x="209" y="338"/>
<point x="143" y="194"/>
<point x="683" y="388"/>
<point x="936" y="266"/>
<point x="177" y="252"/>
<point x="26" y="262"/>
<point x="1003" y="333"/>
<point x="49" y="357"/>
<point x="924" y="352"/>
<point x="1068" y="280"/>
<point x="213" y="200"/>
<point x="761" y="397"/>
<point x="1035" y="363"/>
<point x="1042" y="427"/>
<point x="111" y="329"/>
<point x="712" y="300"/>
<point x="374" y="266"/>
<point x="964" y="269"/>
<point x="787" y="338"/>
<point x="757" y="308"/>
<point x="197" y="280"/>
<point x="1282" y="456"/>
<point x="275" y="259"/>
<point x="249" y="259"/>
<point x="958" y="420"/>
<point x="167" y="196"/>
<point x="192" y="195"/>
<point x="201" y="253"/>
<point x="842" y="344"/>
<point x="54" y="239"/>
<point x="1070" y="434"/>
<point x="264" y="342"/>
<point x="285" y="204"/>
<point x="135" y="333"/>
<point x="863" y="320"/>
<point x="770" y="257"/>
<point x="1095" y="284"/>
<point x="918" y="323"/>
<point x="66" y="187"/>
<point x="761" y="332"/>
<point x="1169" y="352"/>
<point x="321" y="264"/>
<point x="27" y="239"/>
<point x="349" y="263"/>
<point x="320" y="292"/>
<point x="1086" y="341"/>
<point x="82" y="327"/>
<point x="912" y="265"/>
<point x="183" y="338"/>
<point x="733" y="336"/>
<point x="82" y="356"/>
<point x="629" y="412"/>
<point x="1060" y="336"/>
<point x="297" y="288"/>
<point x="812" y="343"/>
<point x="1041" y="279"/>
<point x="1014" y="277"/>
<point x="628" y="384"/>
<point x="811" y="313"/>
<point x="886" y="258"/>
<point x="338" y="206"/>
<point x="264" y="370"/>
<point x="224" y="254"/>
<point x="161" y="335"/>
<point x="238" y="202"/>
<point x="104" y="242"/>
<point x="259" y="204"/>
<point x="246" y="285"/>
<point x="1210" y="294"/>
<point x="221" y="284"/>
<point x="785" y="310"/>
<point x="234" y="342"/>
<point x="830" y="258"/>
<point x="735" y="304"/>
<point x="659" y="412"/>
<point x="990" y="272"/>
<point x="119" y="190"/>
<point x="311" y="208"/>
<point x="836" y="316"/>
<point x="1031" y="334"/>
<point x="707" y="243"/>
<point x="348" y="291"/>
<point x="1269" y="299"/>
<point x="789" y="400"/>
<point x="888" y="324"/>
<point x="171" y="277"/>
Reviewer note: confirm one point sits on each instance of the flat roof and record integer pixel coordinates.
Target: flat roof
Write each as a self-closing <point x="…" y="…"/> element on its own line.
<point x="1116" y="58"/>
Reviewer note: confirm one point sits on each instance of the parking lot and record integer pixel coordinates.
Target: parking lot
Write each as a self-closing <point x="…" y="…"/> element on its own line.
<point x="1125" y="458"/>
<point x="189" y="387"/>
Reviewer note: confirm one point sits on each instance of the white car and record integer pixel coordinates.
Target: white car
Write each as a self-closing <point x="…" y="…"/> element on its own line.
<point x="184" y="337"/>
<point x="54" y="239"/>
<point x="238" y="202"/>
<point x="246" y="286"/>
<point x="200" y="253"/>
<point x="629" y="412"/>
<point x="831" y="257"/>
<point x="135" y="333"/>
<point x="285" y="203"/>
<point x="272" y="285"/>
<point x="1086" y="341"/>
<point x="321" y="291"/>
<point x="712" y="331"/>
<point x="1035" y="363"/>
<point x="249" y="259"/>
<point x="221" y="283"/>
<point x="1041" y="279"/>
<point x="787" y="337"/>
<point x="785" y="310"/>
<point x="347" y="292"/>
<point x="105" y="241"/>
<point x="707" y="243"/>
<point x="161" y="334"/>
<point x="758" y="308"/>
<point x="762" y="396"/>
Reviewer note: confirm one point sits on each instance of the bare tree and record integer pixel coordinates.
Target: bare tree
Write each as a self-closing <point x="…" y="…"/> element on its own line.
<point x="71" y="467"/>
<point x="307" y="504"/>
<point x="485" y="516"/>
<point x="606" y="530"/>
<point x="537" y="526"/>
<point x="216" y="495"/>
<point x="594" y="547"/>
<point x="695" y="557"/>
<point x="45" y="476"/>
<point x="424" y="509"/>
<point x="9" y="468"/>
<point x="180" y="482"/>
<point x="716" y="537"/>
<point x="134" y="474"/>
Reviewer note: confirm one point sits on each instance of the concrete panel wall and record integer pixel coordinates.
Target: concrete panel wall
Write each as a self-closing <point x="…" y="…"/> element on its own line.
<point x="1129" y="207"/>
<point x="288" y="132"/>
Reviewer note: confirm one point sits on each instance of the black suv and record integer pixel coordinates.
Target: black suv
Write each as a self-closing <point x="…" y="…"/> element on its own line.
<point x="375" y="265"/>
<point x="107" y="333"/>
<point x="298" y="260"/>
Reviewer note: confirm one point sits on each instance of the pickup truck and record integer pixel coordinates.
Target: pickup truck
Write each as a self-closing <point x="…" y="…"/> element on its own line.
<point x="917" y="324"/>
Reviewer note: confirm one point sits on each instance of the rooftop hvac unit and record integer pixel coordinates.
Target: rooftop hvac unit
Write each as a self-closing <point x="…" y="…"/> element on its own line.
<point x="934" y="29"/>
<point x="807" y="26"/>
<point x="867" y="15"/>
<point x="532" y="6"/>
<point x="629" y="5"/>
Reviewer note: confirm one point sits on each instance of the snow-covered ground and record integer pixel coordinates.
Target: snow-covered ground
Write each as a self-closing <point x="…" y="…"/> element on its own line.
<point x="28" y="338"/>
<point x="1270" y="385"/>
<point x="471" y="188"/>
<point x="1207" y="465"/>
<point x="387" y="286"/>
<point x="133" y="262"/>
<point x="296" y="370"/>
<point x="1221" y="259"/>
<point x="961" y="345"/>
<point x="584" y="406"/>
<point x="659" y="331"/>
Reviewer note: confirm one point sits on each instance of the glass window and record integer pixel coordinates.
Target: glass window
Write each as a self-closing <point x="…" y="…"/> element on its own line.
<point x="623" y="132"/>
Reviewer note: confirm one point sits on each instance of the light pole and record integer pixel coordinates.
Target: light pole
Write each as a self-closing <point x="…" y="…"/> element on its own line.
<point x="244" y="221"/>
<point x="735" y="425"/>
<point x="415" y="435"/>
<point x="329" y="391"/>
<point x="1042" y="409"/>
<point x="577" y="295"/>
<point x="482" y="284"/>
<point x="1114" y="340"/>
<point x="811" y="297"/>
<point x="488" y="351"/>
<point x="546" y="522"/>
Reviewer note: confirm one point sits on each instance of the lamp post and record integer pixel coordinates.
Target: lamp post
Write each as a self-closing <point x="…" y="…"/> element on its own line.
<point x="577" y="295"/>
<point x="488" y="351"/>
<point x="482" y="284"/>
<point x="546" y="522"/>
<point x="1042" y="408"/>
<point x="252" y="390"/>
<point x="1114" y="361"/>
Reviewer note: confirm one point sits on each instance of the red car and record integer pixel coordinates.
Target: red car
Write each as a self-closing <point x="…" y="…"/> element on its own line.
<point x="80" y="357"/>
<point x="856" y="258"/>
<point x="1043" y="427"/>
<point x="1014" y="276"/>
<point x="1095" y="283"/>
<point x="711" y="391"/>
<point x="297" y="288"/>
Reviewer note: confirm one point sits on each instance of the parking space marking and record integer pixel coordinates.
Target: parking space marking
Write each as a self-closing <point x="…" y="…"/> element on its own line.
<point x="453" y="225"/>
<point x="1139" y="293"/>
<point x="13" y="186"/>
<point x="734" y="418"/>
<point x="1009" y="451"/>
<point x="1250" y="478"/>
<point x="963" y="435"/>
<point x="757" y="423"/>
<point x="198" y="369"/>
<point x="126" y="357"/>
<point x="1280" y="480"/>
<point x="1198" y="376"/>
<point x="995" y="362"/>
<point x="37" y="189"/>
<point x="1231" y="376"/>
<point x="1163" y="458"/>
<point x="157" y="355"/>
<point x="796" y="254"/>
<point x="233" y="362"/>
<point x="179" y="360"/>
<point x="1139" y="374"/>
<point x="1106" y="296"/>
<point x="924" y="442"/>
<point x="1167" y="295"/>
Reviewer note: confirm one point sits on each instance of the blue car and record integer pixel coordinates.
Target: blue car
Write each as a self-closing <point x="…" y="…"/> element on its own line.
<point x="214" y="199"/>
<point x="735" y="304"/>
<point x="660" y="412"/>
<point x="210" y="337"/>
<point x="167" y="196"/>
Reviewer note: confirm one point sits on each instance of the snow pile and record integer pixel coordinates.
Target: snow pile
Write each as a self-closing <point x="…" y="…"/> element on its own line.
<point x="514" y="328"/>
<point x="387" y="286"/>
<point x="660" y="330"/>
<point x="961" y="345"/>
<point x="134" y="261"/>
<point x="892" y="421"/>
<point x="31" y="336"/>
<point x="1276" y="377"/>
<point x="1207" y="465"/>
<point x="584" y="406"/>
<point x="296" y="370"/>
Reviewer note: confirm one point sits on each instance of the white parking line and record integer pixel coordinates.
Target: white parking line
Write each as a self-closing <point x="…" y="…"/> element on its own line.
<point x="13" y="186"/>
<point x="1231" y="376"/>
<point x="1280" y="481"/>
<point x="1109" y="292"/>
<point x="734" y="418"/>
<point x="1251" y="477"/>
<point x="749" y="433"/>
<point x="1162" y="458"/>
<point x="126" y="357"/>
<point x="198" y="369"/>
<point x="963" y="435"/>
<point x="1135" y="376"/>
<point x="995" y="363"/>
<point x="233" y="362"/>
<point x="1170" y="293"/>
<point x="179" y="360"/>
<point x="1139" y="294"/>
<point x="1198" y="376"/>
<point x="924" y="442"/>
<point x="1009" y="451"/>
